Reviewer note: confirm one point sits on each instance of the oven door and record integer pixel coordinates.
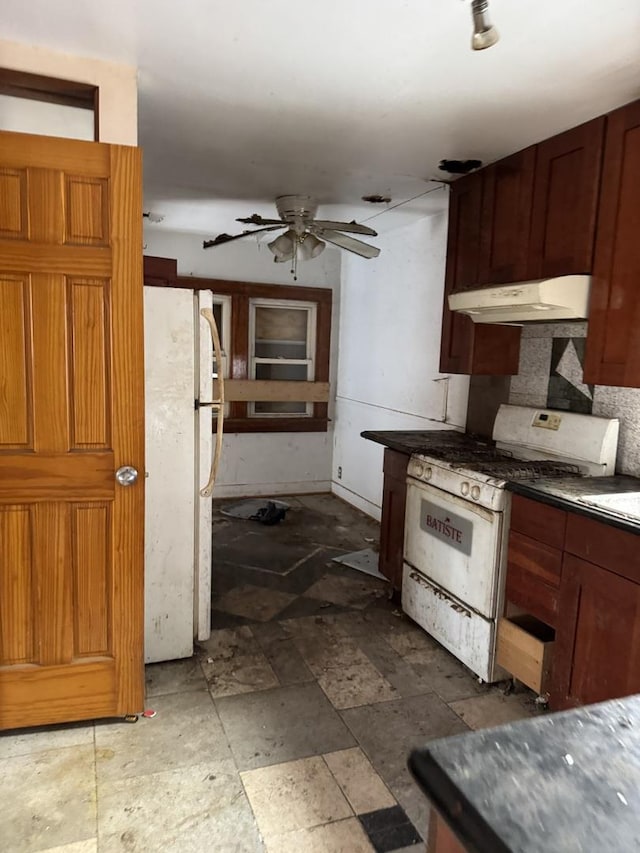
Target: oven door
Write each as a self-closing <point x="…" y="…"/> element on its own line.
<point x="455" y="543"/>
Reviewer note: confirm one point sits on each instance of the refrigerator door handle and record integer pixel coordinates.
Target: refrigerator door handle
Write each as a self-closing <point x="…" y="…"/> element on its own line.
<point x="218" y="404"/>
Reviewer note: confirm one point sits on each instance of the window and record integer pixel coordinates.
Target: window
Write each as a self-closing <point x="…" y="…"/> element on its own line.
<point x="32" y="103"/>
<point x="222" y="315"/>
<point x="270" y="333"/>
<point x="282" y="342"/>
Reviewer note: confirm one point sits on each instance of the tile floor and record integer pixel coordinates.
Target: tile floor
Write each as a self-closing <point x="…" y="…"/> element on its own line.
<point x="288" y="731"/>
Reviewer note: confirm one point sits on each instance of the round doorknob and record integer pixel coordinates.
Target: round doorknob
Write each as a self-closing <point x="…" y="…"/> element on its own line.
<point x="127" y="475"/>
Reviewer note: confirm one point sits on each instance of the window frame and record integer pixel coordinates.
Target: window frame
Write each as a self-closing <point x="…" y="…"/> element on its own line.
<point x="254" y="361"/>
<point x="162" y="272"/>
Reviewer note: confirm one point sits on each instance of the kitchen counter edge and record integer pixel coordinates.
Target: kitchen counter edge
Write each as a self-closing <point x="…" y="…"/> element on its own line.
<point x="537" y="490"/>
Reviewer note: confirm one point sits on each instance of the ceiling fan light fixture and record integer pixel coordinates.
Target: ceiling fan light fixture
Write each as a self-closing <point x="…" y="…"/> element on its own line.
<point x="310" y="247"/>
<point x="282" y="247"/>
<point x="484" y="33"/>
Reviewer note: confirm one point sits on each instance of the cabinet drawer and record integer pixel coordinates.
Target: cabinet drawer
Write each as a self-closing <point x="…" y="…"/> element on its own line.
<point x="533" y="577"/>
<point x="604" y="545"/>
<point x="525" y="649"/>
<point x="538" y="520"/>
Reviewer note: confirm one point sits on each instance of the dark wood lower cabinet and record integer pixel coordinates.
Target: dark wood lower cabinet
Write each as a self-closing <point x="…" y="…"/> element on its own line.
<point x="597" y="654"/>
<point x="441" y="837"/>
<point x="582" y="577"/>
<point x="394" y="497"/>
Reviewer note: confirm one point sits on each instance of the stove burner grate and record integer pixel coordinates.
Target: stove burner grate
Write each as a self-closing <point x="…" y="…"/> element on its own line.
<point x="469" y="456"/>
<point x="513" y="469"/>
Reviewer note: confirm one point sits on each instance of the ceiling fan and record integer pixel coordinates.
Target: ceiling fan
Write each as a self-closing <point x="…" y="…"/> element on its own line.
<point x="305" y="236"/>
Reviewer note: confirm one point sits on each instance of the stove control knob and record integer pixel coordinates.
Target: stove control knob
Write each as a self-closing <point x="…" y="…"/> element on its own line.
<point x="464" y="489"/>
<point x="428" y="472"/>
<point x="475" y="493"/>
<point x="418" y="469"/>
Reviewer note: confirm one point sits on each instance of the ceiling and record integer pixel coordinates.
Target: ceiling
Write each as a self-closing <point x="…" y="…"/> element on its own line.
<point x="240" y="102"/>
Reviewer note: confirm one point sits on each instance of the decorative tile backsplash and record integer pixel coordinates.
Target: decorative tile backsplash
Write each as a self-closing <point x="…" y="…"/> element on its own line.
<point x="550" y="375"/>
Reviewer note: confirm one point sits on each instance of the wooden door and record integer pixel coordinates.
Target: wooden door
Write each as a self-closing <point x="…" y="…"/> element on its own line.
<point x="71" y="413"/>
<point x="565" y="202"/>
<point x="613" y="340"/>
<point x="506" y="218"/>
<point x="597" y="652"/>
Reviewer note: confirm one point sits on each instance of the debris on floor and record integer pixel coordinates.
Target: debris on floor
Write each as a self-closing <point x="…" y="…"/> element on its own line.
<point x="251" y="508"/>
<point x="269" y="514"/>
<point x="363" y="561"/>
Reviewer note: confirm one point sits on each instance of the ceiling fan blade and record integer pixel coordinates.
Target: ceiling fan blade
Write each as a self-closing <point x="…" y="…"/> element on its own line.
<point x="227" y="238"/>
<point x="256" y="219"/>
<point x="351" y="227"/>
<point x="349" y="243"/>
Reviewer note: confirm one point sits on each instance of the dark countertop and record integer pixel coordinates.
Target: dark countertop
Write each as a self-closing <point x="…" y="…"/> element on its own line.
<point x="566" y="493"/>
<point x="565" y="782"/>
<point x="562" y="492"/>
<point x="423" y="440"/>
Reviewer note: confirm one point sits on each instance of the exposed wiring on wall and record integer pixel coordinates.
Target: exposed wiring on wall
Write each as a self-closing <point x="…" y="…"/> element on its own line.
<point x="407" y="200"/>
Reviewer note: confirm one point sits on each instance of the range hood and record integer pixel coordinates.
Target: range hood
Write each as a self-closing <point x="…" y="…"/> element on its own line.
<point x="562" y="298"/>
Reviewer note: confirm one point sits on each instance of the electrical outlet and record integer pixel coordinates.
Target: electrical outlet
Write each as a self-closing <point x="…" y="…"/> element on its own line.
<point x="339" y="472"/>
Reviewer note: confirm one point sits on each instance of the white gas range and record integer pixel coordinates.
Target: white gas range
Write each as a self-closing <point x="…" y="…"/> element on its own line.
<point x="457" y="520"/>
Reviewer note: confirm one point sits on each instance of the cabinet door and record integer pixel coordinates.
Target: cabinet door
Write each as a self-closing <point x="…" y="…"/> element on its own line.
<point x="394" y="497"/>
<point x="463" y="246"/>
<point x="597" y="654"/>
<point x="613" y="339"/>
<point x="160" y="272"/>
<point x="506" y="218"/>
<point x="467" y="347"/>
<point x="565" y="201"/>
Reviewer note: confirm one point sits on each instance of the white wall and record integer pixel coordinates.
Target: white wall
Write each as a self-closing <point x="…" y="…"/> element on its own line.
<point x="262" y="463"/>
<point x="118" y="97"/>
<point x="390" y="318"/>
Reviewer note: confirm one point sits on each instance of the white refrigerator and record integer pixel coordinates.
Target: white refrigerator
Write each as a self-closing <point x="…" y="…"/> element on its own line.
<point x="180" y="451"/>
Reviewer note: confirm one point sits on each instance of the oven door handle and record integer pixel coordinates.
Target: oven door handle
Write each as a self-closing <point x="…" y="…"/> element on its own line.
<point x="418" y="578"/>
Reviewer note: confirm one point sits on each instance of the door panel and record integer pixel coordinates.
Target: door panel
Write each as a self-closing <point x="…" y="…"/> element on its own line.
<point x="71" y="413"/>
<point x="16" y="411"/>
<point x="506" y="218"/>
<point x="89" y="368"/>
<point x="612" y="353"/>
<point x="565" y="201"/>
<point x="16" y="586"/>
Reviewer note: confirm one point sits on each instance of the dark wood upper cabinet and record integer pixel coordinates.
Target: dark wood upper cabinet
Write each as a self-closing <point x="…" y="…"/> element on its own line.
<point x="565" y="202"/>
<point x="613" y="342"/>
<point x="506" y="218"/>
<point x="160" y="272"/>
<point x="463" y="246"/>
<point x="467" y="347"/>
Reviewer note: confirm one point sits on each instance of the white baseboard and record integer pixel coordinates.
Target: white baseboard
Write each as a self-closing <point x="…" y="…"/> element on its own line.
<point x="356" y="500"/>
<point x="256" y="490"/>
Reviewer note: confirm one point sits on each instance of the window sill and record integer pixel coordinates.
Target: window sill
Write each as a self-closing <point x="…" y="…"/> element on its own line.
<point x="293" y="424"/>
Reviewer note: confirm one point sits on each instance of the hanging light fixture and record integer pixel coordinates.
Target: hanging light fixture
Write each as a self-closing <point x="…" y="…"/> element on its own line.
<point x="290" y="246"/>
<point x="282" y="247"/>
<point x="310" y="247"/>
<point x="484" y="33"/>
